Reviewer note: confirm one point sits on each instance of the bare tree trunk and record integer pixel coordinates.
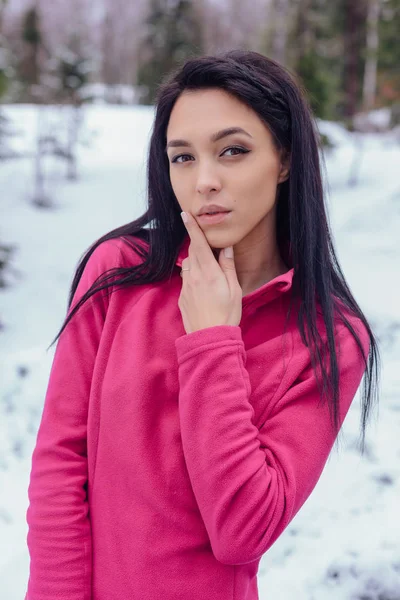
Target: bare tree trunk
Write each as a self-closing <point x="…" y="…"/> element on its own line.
<point x="216" y="30"/>
<point x="74" y="124"/>
<point x="229" y="24"/>
<point x="353" y="21"/>
<point x="371" y="63"/>
<point x="303" y="29"/>
<point x="279" y="38"/>
<point x="122" y="34"/>
<point x="40" y="198"/>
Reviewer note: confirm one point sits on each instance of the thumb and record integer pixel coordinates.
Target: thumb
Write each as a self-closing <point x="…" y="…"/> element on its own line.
<point x="227" y="264"/>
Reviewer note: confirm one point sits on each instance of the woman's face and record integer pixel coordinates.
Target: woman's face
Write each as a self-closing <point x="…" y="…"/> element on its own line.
<point x="239" y="171"/>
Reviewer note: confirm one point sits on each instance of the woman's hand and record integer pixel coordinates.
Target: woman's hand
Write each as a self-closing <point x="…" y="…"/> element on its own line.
<point x="211" y="294"/>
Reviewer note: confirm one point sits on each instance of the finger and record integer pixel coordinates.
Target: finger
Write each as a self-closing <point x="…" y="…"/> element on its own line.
<point x="228" y="266"/>
<point x="185" y="267"/>
<point x="200" y="248"/>
<point x="192" y="256"/>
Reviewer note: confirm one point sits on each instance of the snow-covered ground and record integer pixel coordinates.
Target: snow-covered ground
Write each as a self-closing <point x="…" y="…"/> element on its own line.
<point x="344" y="544"/>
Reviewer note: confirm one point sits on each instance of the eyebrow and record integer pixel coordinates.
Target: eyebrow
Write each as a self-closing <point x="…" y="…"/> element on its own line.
<point x="214" y="138"/>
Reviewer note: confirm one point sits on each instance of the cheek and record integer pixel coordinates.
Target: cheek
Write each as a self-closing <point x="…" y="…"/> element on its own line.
<point x="256" y="190"/>
<point x="179" y="188"/>
<point x="262" y="171"/>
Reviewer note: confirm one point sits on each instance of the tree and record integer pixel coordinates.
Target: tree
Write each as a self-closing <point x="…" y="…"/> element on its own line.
<point x="315" y="54"/>
<point x="280" y="30"/>
<point x="371" y="60"/>
<point x="172" y="34"/>
<point x="3" y="4"/>
<point x="5" y="66"/>
<point x="6" y="75"/>
<point x="389" y="56"/>
<point x="354" y="39"/>
<point x="73" y="68"/>
<point x="32" y="38"/>
<point x="6" y="251"/>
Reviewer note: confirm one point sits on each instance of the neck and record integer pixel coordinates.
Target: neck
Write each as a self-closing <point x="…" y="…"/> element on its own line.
<point x="251" y="279"/>
<point x="257" y="261"/>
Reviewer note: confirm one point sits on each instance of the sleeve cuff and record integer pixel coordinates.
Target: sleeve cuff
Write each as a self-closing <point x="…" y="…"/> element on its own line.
<point x="204" y="339"/>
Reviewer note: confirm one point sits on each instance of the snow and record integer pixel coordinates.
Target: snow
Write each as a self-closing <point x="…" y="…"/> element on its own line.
<point x="117" y="93"/>
<point x="344" y="543"/>
<point x="378" y="119"/>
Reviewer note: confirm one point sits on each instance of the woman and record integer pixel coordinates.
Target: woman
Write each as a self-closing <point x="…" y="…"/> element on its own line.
<point x="195" y="395"/>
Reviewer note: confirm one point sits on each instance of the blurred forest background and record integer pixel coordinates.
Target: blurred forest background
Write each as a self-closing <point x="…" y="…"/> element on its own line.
<point x="346" y="52"/>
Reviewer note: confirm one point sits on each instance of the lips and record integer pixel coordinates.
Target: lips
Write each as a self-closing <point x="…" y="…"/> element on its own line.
<point x="216" y="218"/>
<point x="214" y="212"/>
<point x="213" y="208"/>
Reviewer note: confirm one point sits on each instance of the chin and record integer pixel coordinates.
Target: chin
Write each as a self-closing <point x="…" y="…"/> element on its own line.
<point x="218" y="245"/>
<point x="218" y="240"/>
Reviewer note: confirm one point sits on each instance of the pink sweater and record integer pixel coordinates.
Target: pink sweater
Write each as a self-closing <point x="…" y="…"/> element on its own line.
<point x="166" y="463"/>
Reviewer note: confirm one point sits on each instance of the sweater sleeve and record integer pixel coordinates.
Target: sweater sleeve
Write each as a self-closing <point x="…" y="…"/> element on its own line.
<point x="249" y="483"/>
<point x="59" y="534"/>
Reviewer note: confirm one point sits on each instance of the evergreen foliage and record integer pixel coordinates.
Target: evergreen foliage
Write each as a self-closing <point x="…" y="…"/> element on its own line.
<point x="173" y="34"/>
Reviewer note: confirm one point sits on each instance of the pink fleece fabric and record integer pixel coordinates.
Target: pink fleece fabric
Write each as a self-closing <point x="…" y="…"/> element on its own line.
<point x="166" y="464"/>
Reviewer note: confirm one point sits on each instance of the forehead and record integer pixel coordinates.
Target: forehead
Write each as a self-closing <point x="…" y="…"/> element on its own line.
<point x="209" y="109"/>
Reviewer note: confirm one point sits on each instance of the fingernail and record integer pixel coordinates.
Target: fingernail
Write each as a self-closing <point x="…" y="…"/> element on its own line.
<point x="229" y="252"/>
<point x="184" y="216"/>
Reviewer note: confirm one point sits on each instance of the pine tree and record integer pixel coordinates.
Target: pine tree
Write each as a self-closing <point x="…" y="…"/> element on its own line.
<point x="32" y="37"/>
<point x="317" y="54"/>
<point x="172" y="35"/>
<point x="389" y="58"/>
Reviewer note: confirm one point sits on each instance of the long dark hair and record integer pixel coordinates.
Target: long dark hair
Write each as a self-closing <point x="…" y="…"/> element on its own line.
<point x="302" y="223"/>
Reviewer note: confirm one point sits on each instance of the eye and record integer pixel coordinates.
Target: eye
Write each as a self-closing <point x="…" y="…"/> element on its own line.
<point x="238" y="148"/>
<point x="174" y="160"/>
<point x="241" y="150"/>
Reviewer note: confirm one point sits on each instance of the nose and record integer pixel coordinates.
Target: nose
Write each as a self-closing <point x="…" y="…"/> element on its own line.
<point x="207" y="179"/>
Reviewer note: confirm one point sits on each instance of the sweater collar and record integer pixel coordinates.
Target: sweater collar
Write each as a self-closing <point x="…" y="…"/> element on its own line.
<point x="266" y="293"/>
